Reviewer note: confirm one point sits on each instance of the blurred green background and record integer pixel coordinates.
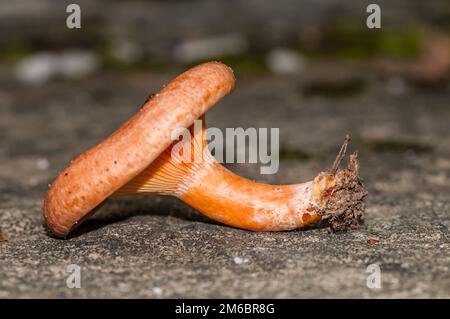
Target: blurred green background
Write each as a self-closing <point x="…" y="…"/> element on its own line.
<point x="254" y="37"/>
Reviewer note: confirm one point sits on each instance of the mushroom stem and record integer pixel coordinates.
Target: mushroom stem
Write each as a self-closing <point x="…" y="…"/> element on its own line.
<point x="334" y="198"/>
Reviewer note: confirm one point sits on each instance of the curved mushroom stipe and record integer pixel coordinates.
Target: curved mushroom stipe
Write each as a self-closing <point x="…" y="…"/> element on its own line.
<point x="334" y="198"/>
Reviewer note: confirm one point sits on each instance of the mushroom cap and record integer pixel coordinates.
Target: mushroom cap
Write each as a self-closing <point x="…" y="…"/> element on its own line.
<point x="97" y="173"/>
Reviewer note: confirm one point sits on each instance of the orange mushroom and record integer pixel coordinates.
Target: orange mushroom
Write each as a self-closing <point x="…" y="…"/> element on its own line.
<point x="139" y="159"/>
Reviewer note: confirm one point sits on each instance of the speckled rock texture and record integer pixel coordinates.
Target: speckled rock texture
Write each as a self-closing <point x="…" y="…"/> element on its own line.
<point x="156" y="247"/>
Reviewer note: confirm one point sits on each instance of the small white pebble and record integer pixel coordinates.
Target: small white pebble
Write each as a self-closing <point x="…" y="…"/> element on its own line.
<point x="42" y="164"/>
<point x="77" y="64"/>
<point x="196" y="49"/>
<point x="239" y="260"/>
<point x="33" y="181"/>
<point x="37" y="68"/>
<point x="157" y="290"/>
<point x="284" y="61"/>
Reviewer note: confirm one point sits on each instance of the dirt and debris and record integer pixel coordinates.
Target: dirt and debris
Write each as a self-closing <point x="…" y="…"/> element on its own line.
<point x="345" y="199"/>
<point x="3" y="236"/>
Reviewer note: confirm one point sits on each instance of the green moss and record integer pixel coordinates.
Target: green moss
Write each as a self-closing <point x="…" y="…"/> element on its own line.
<point x="358" y="42"/>
<point x="400" y="45"/>
<point x="294" y="155"/>
<point x="246" y="64"/>
<point x="13" y="52"/>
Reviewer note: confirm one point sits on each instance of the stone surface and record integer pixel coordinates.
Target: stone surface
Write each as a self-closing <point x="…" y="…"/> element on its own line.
<point x="159" y="247"/>
<point x="154" y="247"/>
